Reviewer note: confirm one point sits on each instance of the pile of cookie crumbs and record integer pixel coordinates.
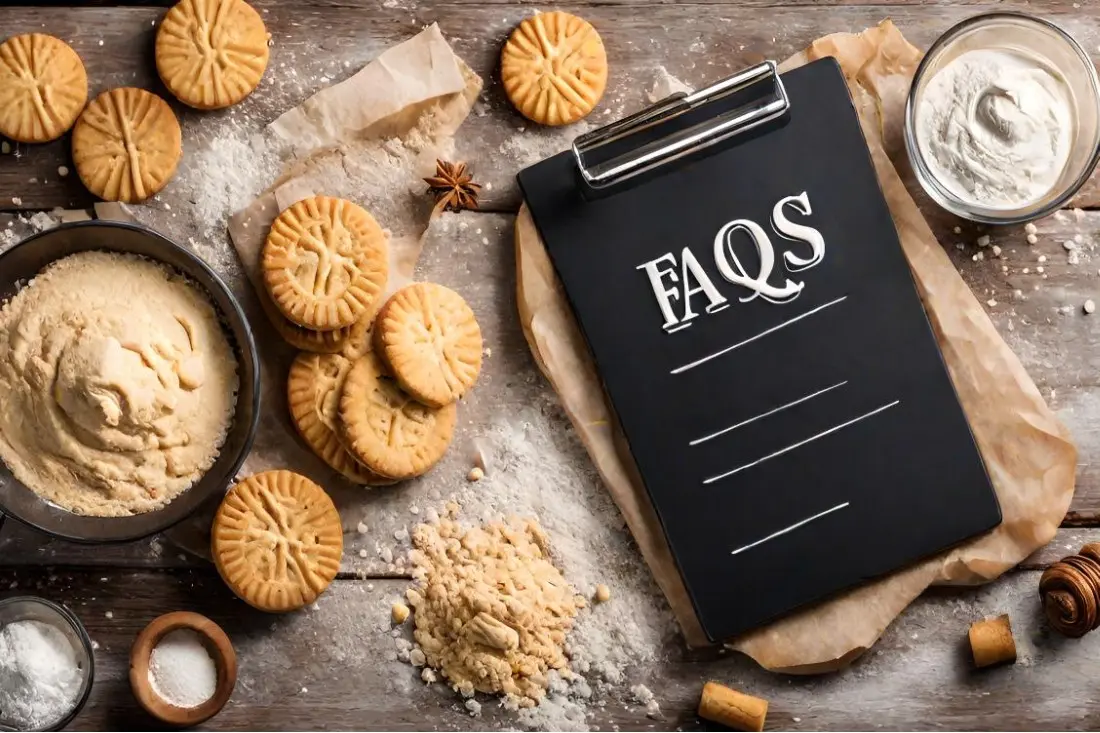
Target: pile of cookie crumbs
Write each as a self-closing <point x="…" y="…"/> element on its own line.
<point x="532" y="469"/>
<point x="491" y="610"/>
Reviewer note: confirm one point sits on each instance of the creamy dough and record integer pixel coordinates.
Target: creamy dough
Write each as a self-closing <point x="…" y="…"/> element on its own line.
<point x="117" y="384"/>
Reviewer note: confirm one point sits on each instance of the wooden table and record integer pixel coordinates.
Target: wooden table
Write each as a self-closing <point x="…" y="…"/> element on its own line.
<point x="332" y="667"/>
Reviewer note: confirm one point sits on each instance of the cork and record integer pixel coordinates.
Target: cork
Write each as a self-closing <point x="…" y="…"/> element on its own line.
<point x="991" y="641"/>
<point x="731" y="708"/>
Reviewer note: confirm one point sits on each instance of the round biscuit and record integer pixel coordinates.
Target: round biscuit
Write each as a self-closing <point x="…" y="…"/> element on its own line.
<point x="43" y="88"/>
<point x="387" y="430"/>
<point x="314" y="386"/>
<point x="554" y="68"/>
<point x="429" y="340"/>
<point x="211" y="54"/>
<point x="126" y="145"/>
<point x="325" y="263"/>
<point x="277" y="541"/>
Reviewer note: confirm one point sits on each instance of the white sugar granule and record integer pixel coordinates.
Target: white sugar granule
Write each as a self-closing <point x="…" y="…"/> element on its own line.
<point x="40" y="675"/>
<point x="181" y="670"/>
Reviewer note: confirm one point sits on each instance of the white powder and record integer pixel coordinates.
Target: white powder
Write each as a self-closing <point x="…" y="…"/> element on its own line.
<point x="40" y="675"/>
<point x="224" y="175"/>
<point x="181" y="670"/>
<point x="996" y="126"/>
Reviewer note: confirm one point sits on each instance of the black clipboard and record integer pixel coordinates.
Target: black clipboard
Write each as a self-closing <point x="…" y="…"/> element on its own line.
<point x="742" y="288"/>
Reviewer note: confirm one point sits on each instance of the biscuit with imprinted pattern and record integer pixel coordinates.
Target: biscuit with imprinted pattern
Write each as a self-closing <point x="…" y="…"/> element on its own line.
<point x="43" y="88"/>
<point x="387" y="430"/>
<point x="277" y="540"/>
<point x="211" y="53"/>
<point x="554" y="68"/>
<point x="314" y="386"/>
<point x="429" y="340"/>
<point x="126" y="145"/>
<point x="325" y="263"/>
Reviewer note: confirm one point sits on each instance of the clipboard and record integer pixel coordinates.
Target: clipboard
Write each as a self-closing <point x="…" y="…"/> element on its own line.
<point x="796" y="430"/>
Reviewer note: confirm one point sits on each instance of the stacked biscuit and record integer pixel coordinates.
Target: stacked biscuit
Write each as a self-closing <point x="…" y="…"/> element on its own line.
<point x="373" y="395"/>
<point x="382" y="407"/>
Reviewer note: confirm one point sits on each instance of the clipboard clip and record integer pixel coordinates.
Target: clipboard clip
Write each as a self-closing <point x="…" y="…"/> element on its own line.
<point x="657" y="153"/>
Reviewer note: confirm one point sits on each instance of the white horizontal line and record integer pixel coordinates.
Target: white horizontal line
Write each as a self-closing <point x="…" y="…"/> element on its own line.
<point x="801" y="443"/>
<point x="715" y="355"/>
<point x="800" y="400"/>
<point x="794" y="526"/>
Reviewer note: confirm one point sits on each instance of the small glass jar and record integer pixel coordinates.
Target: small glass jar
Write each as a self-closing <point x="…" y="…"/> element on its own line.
<point x="1037" y="37"/>
<point x="30" y="608"/>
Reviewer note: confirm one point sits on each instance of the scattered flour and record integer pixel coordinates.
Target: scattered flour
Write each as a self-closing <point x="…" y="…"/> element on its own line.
<point x="665" y="85"/>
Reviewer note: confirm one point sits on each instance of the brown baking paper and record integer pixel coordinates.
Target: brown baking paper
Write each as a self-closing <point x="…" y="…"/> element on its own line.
<point x="1028" y="452"/>
<point x="370" y="139"/>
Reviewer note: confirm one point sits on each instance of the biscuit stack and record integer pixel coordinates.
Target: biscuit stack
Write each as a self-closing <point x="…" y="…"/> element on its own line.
<point x="382" y="408"/>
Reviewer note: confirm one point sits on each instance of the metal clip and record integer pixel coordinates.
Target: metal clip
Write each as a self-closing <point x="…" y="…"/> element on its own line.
<point x="685" y="142"/>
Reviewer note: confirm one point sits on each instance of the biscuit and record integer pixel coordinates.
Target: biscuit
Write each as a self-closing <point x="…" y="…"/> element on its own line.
<point x="277" y="541"/>
<point x="126" y="145"/>
<point x="325" y="263"/>
<point x="43" y="87"/>
<point x="387" y="430"/>
<point x="429" y="340"/>
<point x="211" y="53"/>
<point x="313" y="393"/>
<point x="554" y="68"/>
<point x="351" y="341"/>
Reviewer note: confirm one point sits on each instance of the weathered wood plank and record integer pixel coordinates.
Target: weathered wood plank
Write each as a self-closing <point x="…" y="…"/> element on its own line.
<point x="333" y="667"/>
<point x="314" y="41"/>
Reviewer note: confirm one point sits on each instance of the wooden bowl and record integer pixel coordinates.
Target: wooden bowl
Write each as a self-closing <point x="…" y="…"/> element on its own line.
<point x="220" y="648"/>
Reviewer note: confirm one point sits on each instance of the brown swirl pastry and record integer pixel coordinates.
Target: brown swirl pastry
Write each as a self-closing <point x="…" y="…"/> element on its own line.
<point x="1070" y="591"/>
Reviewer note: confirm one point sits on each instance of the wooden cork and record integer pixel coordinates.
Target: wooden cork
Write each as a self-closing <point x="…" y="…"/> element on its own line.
<point x="991" y="641"/>
<point x="731" y="708"/>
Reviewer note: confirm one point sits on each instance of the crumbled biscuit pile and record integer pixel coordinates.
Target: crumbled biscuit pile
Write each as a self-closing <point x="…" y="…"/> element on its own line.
<point x="491" y="610"/>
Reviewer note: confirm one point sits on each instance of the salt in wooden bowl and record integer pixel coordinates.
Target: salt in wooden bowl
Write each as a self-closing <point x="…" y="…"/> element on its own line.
<point x="217" y="644"/>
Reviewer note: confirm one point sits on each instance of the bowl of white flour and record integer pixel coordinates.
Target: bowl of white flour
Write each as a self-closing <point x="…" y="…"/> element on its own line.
<point x="46" y="665"/>
<point x="1002" y="122"/>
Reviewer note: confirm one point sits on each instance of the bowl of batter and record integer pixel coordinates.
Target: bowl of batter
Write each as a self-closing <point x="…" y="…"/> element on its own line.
<point x="1002" y="122"/>
<point x="129" y="379"/>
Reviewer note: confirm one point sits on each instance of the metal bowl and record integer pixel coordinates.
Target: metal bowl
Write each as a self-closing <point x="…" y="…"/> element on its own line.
<point x="30" y="608"/>
<point x="20" y="264"/>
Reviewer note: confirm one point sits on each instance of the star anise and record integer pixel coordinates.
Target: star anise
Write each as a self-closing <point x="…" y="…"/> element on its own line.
<point x="453" y="187"/>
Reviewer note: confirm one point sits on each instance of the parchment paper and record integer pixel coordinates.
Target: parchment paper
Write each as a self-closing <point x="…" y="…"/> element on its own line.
<point x="370" y="139"/>
<point x="1028" y="452"/>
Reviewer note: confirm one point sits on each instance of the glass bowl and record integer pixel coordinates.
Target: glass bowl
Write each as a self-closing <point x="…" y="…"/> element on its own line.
<point x="1037" y="37"/>
<point x="30" y="608"/>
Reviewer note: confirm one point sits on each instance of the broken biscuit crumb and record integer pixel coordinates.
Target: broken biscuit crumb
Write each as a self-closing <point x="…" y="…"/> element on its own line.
<point x="603" y="593"/>
<point x="399" y="612"/>
<point x="492" y="610"/>
<point x="475" y="474"/>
